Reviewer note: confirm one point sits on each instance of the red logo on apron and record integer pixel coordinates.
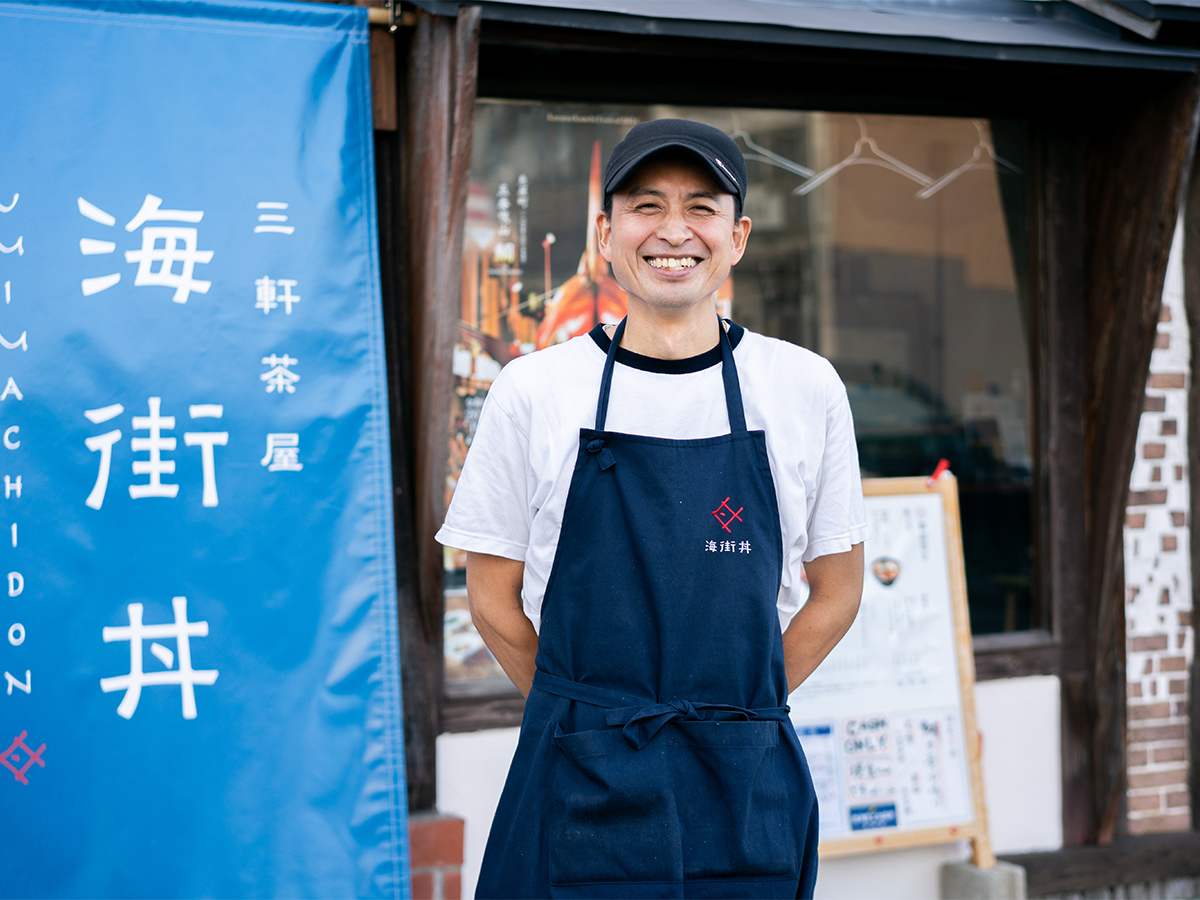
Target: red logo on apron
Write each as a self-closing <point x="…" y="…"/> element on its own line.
<point x="725" y="513"/>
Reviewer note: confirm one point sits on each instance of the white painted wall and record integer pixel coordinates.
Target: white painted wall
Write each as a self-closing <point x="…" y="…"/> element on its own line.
<point x="471" y="769"/>
<point x="1019" y="721"/>
<point x="895" y="874"/>
<point x="1158" y="581"/>
<point x="1022" y="762"/>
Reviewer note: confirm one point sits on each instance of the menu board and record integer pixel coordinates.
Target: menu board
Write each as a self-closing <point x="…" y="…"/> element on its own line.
<point x="887" y="720"/>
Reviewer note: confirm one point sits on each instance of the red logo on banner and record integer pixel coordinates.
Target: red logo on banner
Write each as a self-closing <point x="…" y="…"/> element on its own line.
<point x="13" y="755"/>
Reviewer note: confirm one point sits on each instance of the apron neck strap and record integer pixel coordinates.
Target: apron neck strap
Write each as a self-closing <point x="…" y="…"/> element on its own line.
<point x="733" y="390"/>
<point x="606" y="379"/>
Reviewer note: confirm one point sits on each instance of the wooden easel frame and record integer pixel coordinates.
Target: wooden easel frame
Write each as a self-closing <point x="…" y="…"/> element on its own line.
<point x="977" y="831"/>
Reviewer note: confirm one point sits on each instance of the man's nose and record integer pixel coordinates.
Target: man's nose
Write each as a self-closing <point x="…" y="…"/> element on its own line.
<point x="674" y="228"/>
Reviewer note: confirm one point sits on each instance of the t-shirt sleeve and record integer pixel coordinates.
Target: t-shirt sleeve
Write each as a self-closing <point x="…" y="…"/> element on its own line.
<point x="837" y="517"/>
<point x="489" y="512"/>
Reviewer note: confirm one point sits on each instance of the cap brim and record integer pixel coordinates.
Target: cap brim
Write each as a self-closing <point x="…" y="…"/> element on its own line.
<point x="700" y="152"/>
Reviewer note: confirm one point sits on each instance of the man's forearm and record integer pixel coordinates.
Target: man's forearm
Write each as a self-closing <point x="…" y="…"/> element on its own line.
<point x="494" y="595"/>
<point x="835" y="584"/>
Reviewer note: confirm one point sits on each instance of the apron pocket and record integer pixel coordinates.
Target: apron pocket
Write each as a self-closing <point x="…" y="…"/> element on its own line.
<point x="737" y="800"/>
<point x="702" y="800"/>
<point x="613" y="815"/>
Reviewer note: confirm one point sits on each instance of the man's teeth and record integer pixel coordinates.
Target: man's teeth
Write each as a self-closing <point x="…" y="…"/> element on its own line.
<point x="667" y="262"/>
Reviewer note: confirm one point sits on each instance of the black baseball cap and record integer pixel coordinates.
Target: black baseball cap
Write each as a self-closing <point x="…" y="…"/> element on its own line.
<point x="711" y="146"/>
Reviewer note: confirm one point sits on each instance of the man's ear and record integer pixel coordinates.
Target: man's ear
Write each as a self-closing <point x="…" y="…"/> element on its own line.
<point x="604" y="236"/>
<point x="741" y="233"/>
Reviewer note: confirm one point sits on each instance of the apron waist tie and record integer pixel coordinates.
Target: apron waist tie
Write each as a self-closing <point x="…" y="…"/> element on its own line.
<point x="643" y="720"/>
<point x="642" y="723"/>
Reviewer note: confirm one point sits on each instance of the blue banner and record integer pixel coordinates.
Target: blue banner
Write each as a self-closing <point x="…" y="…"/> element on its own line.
<point x="201" y="684"/>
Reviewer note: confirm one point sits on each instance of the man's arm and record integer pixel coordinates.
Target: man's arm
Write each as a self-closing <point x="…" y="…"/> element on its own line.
<point x="835" y="588"/>
<point x="494" y="596"/>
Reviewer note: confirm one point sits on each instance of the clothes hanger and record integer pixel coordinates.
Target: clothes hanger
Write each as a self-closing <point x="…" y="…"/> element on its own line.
<point x="857" y="157"/>
<point x="762" y="154"/>
<point x="977" y="161"/>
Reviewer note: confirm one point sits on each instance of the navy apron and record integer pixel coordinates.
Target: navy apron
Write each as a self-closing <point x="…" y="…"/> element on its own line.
<point x="656" y="757"/>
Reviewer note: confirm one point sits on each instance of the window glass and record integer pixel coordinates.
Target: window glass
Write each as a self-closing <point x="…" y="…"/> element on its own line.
<point x="892" y="245"/>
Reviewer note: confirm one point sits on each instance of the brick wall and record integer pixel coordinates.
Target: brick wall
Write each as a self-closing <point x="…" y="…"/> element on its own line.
<point x="1159" y="631"/>
<point x="435" y="849"/>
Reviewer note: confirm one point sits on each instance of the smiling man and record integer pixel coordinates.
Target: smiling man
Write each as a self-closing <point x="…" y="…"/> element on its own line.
<point x="638" y="506"/>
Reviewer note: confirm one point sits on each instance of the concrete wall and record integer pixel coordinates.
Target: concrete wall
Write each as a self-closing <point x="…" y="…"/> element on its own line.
<point x="1019" y="721"/>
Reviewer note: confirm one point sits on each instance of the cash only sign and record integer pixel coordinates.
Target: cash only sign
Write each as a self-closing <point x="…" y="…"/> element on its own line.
<point x="199" y="675"/>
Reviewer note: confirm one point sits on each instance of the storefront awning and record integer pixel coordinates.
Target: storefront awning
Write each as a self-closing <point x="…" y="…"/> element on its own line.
<point x="1071" y="32"/>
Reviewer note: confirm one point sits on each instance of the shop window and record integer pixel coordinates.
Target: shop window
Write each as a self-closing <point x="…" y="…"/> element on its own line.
<point x="895" y="246"/>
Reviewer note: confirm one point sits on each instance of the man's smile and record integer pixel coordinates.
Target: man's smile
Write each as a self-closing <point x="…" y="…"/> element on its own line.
<point x="671" y="262"/>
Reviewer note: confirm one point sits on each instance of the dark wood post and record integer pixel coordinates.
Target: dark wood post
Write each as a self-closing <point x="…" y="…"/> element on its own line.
<point x="438" y="116"/>
<point x="1061" y="382"/>
<point x="1133" y="166"/>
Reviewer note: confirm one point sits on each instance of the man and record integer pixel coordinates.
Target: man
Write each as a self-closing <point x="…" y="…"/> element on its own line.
<point x="636" y="506"/>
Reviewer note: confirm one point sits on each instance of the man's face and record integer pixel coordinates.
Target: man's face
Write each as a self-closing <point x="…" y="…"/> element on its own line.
<point x="671" y="239"/>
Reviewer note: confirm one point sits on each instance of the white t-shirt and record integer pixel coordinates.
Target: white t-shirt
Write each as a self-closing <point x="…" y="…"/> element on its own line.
<point x="513" y="487"/>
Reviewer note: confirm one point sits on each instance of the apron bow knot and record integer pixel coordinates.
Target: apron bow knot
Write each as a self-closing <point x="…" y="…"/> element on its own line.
<point x="605" y="457"/>
<point x="642" y="723"/>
